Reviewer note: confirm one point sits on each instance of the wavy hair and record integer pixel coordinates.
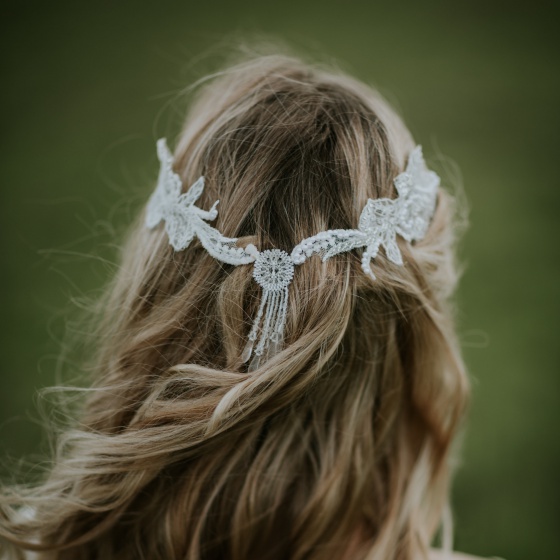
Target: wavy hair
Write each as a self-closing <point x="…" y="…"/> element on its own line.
<point x="337" y="447"/>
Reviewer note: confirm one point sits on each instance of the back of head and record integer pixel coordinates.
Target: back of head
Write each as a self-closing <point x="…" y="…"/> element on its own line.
<point x="182" y="451"/>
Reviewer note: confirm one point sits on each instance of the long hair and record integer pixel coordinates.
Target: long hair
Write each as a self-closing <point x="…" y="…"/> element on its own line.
<point x="180" y="452"/>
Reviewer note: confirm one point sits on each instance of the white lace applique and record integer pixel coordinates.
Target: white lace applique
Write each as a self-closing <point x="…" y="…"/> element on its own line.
<point x="380" y="222"/>
<point x="273" y="271"/>
<point x="184" y="220"/>
<point x="382" y="219"/>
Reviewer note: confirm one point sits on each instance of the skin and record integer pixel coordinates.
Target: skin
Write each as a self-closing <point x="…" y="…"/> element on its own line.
<point x="438" y="555"/>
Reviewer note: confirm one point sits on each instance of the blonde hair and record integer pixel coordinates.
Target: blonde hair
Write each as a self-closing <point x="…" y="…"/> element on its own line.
<point x="179" y="451"/>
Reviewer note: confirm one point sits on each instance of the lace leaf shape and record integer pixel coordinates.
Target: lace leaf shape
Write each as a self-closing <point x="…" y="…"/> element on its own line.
<point x="168" y="188"/>
<point x="328" y="243"/>
<point x="223" y="248"/>
<point x="417" y="188"/>
<point x="179" y="229"/>
<point x="184" y="220"/>
<point x="193" y="194"/>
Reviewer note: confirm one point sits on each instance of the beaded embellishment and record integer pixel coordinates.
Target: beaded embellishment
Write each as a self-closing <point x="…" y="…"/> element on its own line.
<point x="380" y="222"/>
<point x="273" y="272"/>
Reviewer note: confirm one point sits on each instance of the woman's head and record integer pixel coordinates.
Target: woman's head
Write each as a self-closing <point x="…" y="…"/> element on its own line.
<point x="181" y="451"/>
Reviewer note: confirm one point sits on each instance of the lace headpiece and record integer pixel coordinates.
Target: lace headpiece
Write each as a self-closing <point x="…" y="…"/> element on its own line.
<point x="380" y="222"/>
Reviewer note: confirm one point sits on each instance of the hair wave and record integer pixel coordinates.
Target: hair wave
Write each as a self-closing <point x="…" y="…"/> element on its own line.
<point x="345" y="435"/>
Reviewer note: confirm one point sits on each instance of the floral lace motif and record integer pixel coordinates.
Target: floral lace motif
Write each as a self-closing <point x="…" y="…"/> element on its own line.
<point x="273" y="272"/>
<point x="380" y="222"/>
<point x="184" y="220"/>
<point x="382" y="219"/>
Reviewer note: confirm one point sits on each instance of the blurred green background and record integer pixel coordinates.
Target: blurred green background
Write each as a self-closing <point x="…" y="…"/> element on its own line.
<point x="86" y="91"/>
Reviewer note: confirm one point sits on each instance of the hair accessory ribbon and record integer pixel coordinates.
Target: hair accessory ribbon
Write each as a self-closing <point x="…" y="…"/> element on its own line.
<point x="380" y="222"/>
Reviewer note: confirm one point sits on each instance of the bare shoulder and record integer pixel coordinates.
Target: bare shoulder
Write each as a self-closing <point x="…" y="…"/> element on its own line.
<point x="439" y="555"/>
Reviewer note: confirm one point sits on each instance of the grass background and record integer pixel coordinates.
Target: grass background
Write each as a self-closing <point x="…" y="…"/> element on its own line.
<point x="86" y="91"/>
